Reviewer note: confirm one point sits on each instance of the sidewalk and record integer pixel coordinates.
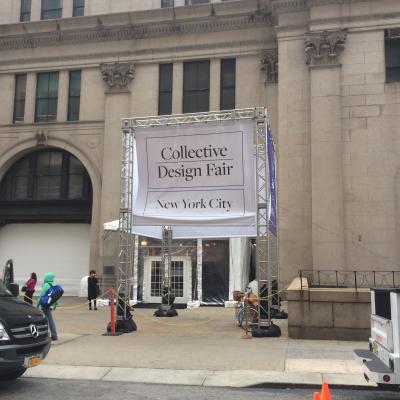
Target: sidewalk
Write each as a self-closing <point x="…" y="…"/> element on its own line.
<point x="199" y="347"/>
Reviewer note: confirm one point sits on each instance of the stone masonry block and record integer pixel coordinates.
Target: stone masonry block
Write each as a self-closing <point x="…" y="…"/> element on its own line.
<point x="349" y="101"/>
<point x="353" y="79"/>
<point x="351" y="315"/>
<point x="372" y="88"/>
<point x="365" y="111"/>
<point x="376" y="77"/>
<point x="310" y="314"/>
<point x="372" y="99"/>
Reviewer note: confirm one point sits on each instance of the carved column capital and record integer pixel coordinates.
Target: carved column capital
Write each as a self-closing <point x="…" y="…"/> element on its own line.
<point x="117" y="75"/>
<point x="269" y="64"/>
<point x="324" y="48"/>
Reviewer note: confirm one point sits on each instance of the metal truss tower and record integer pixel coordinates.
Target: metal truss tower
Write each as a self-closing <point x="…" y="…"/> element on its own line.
<point x="267" y="271"/>
<point x="126" y="239"/>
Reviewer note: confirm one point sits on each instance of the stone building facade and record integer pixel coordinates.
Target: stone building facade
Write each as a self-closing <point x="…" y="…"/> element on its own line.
<point x="327" y="71"/>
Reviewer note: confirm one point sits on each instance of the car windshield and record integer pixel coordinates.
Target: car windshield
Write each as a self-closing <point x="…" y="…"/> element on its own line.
<point x="4" y="292"/>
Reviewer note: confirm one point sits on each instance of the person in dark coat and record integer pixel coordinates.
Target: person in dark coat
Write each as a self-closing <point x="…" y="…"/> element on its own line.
<point x="30" y="288"/>
<point x="93" y="289"/>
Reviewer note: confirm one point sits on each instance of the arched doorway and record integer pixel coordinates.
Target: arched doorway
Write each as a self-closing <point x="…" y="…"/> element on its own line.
<point x="45" y="216"/>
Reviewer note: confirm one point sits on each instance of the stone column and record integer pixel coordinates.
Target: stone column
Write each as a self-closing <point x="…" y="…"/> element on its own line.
<point x="117" y="78"/>
<point x="35" y="10"/>
<point x="177" y="88"/>
<point x="322" y="55"/>
<point x="215" y="73"/>
<point x="67" y="8"/>
<point x="269" y="65"/>
<point x="30" y="99"/>
<point x="62" y="106"/>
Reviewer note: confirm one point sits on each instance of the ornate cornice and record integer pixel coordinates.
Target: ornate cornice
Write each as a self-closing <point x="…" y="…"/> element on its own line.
<point x="269" y="64"/>
<point x="324" y="48"/>
<point x="117" y="75"/>
<point x="289" y="5"/>
<point x="143" y="55"/>
<point x="327" y="2"/>
<point x="135" y="31"/>
<point x="281" y="6"/>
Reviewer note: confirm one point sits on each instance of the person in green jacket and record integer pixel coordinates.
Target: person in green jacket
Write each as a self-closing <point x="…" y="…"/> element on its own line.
<point x="47" y="284"/>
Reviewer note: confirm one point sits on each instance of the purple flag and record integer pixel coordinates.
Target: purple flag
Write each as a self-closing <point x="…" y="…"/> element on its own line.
<point x="272" y="181"/>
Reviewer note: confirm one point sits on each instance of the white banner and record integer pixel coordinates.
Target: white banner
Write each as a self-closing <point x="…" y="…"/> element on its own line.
<point x="202" y="174"/>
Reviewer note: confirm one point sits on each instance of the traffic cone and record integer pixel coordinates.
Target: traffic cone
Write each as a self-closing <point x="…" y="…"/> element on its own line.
<point x="316" y="396"/>
<point x="325" y="393"/>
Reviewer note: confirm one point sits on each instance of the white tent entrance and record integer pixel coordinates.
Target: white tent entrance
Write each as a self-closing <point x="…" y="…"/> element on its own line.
<point x="201" y="175"/>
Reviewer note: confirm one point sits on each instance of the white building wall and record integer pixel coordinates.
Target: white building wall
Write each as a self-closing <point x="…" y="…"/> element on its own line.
<point x="59" y="248"/>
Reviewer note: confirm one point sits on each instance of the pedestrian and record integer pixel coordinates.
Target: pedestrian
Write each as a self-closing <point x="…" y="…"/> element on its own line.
<point x="47" y="310"/>
<point x="30" y="288"/>
<point x="93" y="289"/>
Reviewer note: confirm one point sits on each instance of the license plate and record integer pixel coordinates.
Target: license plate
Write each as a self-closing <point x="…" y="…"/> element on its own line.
<point x="374" y="348"/>
<point x="32" y="361"/>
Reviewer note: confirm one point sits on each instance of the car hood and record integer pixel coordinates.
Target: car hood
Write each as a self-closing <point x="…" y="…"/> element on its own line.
<point x="12" y="309"/>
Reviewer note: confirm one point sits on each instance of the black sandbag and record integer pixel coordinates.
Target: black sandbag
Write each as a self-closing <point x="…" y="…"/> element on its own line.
<point x="279" y="314"/>
<point x="124" y="326"/>
<point x="165" y="311"/>
<point x="265" y="331"/>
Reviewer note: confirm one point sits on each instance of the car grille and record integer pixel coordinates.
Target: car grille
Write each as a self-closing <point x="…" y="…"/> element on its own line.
<point x="24" y="334"/>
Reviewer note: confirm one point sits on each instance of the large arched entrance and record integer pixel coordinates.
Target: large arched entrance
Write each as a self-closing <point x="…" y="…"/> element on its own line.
<point x="45" y="217"/>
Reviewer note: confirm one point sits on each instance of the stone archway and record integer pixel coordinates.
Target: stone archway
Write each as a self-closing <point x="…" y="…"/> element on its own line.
<point x="92" y="235"/>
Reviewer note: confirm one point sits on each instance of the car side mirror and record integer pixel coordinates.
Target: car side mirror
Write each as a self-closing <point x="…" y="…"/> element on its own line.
<point x="14" y="289"/>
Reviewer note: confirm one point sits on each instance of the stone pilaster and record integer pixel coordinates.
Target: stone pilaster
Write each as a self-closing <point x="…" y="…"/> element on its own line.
<point x="63" y="86"/>
<point x="117" y="78"/>
<point x="322" y="55"/>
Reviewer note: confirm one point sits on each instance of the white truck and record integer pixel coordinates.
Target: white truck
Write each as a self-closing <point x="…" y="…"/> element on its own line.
<point x="381" y="363"/>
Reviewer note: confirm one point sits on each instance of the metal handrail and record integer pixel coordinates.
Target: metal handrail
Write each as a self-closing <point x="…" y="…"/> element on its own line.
<point x="349" y="279"/>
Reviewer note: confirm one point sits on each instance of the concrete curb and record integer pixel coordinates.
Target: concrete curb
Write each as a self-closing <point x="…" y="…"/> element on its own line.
<point x="206" y="378"/>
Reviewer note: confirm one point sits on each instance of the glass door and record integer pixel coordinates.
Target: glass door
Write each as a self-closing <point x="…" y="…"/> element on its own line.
<point x="180" y="279"/>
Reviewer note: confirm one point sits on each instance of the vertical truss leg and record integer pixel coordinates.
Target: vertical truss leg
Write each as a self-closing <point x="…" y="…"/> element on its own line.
<point x="126" y="239"/>
<point x="263" y="265"/>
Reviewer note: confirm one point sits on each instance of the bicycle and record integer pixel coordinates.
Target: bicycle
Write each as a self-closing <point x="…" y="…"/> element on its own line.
<point x="245" y="312"/>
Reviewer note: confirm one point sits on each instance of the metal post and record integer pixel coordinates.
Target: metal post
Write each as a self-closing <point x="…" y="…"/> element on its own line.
<point x="166" y="249"/>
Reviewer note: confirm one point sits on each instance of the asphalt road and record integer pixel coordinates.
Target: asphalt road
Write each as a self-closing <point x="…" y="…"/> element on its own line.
<point x="52" y="389"/>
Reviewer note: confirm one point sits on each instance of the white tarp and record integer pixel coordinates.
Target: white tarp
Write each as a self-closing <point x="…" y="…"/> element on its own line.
<point x="196" y="176"/>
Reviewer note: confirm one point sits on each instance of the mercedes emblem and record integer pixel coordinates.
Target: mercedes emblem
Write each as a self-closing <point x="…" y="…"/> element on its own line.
<point x="34" y="330"/>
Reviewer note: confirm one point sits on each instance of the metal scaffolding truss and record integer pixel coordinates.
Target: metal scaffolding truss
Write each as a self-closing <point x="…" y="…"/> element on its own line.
<point x="125" y="239"/>
<point x="266" y="242"/>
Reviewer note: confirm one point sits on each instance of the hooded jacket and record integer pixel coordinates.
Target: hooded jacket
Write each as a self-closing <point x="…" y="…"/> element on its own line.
<point x="47" y="284"/>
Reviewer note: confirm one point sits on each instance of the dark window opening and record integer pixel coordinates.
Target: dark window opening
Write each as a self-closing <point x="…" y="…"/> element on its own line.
<point x="74" y="95"/>
<point x="78" y="8"/>
<point x="193" y="2"/>
<point x="228" y="77"/>
<point x="19" y="98"/>
<point x="51" y="9"/>
<point x="46" y="97"/>
<point x="196" y="86"/>
<point x="25" y="12"/>
<point x="392" y="55"/>
<point x="46" y="185"/>
<point x="165" y="89"/>
<point x="167" y="3"/>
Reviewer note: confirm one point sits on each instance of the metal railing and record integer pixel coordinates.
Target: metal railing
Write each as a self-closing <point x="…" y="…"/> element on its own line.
<point x="349" y="279"/>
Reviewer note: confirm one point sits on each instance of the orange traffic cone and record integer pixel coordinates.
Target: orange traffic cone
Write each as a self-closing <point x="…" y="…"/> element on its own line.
<point x="325" y="393"/>
<point x="316" y="396"/>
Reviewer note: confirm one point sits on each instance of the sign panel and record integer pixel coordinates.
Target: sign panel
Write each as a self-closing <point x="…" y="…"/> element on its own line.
<point x="202" y="173"/>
